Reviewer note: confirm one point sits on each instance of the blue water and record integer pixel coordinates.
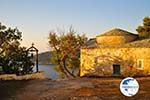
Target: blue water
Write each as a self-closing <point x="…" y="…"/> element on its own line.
<point x="49" y="71"/>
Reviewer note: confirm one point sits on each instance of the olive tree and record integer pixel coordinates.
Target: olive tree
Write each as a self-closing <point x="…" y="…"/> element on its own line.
<point x="66" y="51"/>
<point x="13" y="57"/>
<point x="144" y="30"/>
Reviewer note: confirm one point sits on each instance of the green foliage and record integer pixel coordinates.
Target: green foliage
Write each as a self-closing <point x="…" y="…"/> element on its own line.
<point x="13" y="57"/>
<point x="144" y="30"/>
<point x="66" y="49"/>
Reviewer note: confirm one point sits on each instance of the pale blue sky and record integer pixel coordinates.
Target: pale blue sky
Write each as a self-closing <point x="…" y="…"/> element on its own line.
<point x="35" y="18"/>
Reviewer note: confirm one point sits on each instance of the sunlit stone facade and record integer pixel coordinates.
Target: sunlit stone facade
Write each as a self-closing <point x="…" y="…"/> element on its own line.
<point x="124" y="56"/>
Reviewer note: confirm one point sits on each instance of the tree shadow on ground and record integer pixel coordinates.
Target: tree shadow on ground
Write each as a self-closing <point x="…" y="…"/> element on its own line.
<point x="9" y="89"/>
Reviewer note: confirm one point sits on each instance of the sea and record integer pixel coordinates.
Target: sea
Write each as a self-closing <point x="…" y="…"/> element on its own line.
<point x="49" y="71"/>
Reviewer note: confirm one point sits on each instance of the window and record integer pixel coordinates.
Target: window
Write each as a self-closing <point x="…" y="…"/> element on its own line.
<point x="140" y="63"/>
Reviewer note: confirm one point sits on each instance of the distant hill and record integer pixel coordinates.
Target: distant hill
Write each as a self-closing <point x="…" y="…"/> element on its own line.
<point x="44" y="57"/>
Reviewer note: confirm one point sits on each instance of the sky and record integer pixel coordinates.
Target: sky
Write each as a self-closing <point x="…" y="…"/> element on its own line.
<point x="36" y="18"/>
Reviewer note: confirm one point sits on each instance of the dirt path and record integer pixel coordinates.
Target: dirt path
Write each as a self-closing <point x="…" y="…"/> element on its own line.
<point x="75" y="89"/>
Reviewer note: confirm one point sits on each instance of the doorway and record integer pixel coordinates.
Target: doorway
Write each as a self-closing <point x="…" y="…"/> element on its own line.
<point x="116" y="69"/>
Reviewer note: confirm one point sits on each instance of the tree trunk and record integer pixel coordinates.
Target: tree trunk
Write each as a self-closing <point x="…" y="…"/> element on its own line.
<point x="64" y="72"/>
<point x="71" y="74"/>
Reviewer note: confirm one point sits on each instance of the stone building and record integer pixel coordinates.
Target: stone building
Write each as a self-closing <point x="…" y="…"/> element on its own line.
<point x="114" y="53"/>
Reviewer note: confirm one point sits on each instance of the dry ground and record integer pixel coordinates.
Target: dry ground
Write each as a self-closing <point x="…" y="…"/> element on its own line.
<point x="75" y="89"/>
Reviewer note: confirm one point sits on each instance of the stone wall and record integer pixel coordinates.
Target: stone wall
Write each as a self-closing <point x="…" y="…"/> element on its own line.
<point x="38" y="75"/>
<point x="114" y="40"/>
<point x="99" y="61"/>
